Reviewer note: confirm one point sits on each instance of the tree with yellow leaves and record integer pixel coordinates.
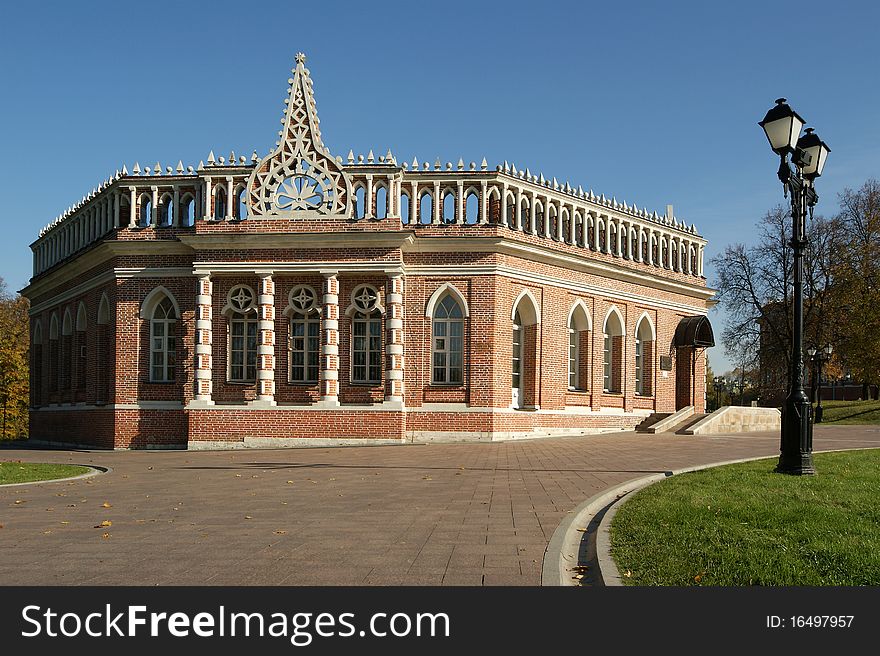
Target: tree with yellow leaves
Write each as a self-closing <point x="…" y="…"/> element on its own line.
<point x="14" y="354"/>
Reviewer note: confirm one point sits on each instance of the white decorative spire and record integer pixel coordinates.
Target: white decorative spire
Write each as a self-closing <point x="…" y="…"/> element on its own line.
<point x="211" y="159"/>
<point x="300" y="174"/>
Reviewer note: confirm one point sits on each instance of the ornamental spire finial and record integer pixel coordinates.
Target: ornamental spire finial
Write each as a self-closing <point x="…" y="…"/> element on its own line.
<point x="300" y="58"/>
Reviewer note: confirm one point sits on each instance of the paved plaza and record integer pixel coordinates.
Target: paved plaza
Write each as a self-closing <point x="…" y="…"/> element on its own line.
<point x="442" y="514"/>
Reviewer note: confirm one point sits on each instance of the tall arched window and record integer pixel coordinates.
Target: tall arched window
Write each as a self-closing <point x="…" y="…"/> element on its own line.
<point x="644" y="357"/>
<point x="578" y="348"/>
<point x="472" y="208"/>
<point x="146" y="210"/>
<point x="405" y="215"/>
<point x="613" y="353"/>
<point x="240" y="204"/>
<point x="166" y="210"/>
<point x="163" y="342"/>
<point x="516" y="363"/>
<point x="360" y="204"/>
<point x="366" y="336"/>
<point x="449" y="207"/>
<point x="305" y="335"/>
<point x="447" y="344"/>
<point x="187" y="210"/>
<point x="426" y="208"/>
<point x="241" y="306"/>
<point x="219" y="203"/>
<point x="381" y="202"/>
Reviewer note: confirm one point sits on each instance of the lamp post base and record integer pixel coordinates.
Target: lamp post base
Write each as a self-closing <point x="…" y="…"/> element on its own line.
<point x="796" y="452"/>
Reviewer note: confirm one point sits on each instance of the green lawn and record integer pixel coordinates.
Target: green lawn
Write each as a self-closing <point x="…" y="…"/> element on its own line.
<point x="24" y="472"/>
<point x="850" y="412"/>
<point x="745" y="525"/>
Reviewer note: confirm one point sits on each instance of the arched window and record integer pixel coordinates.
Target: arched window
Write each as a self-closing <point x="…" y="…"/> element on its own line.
<point x="305" y="335"/>
<point x="366" y="336"/>
<point x="146" y="210"/>
<point x="447" y="344"/>
<point x="166" y="210"/>
<point x="613" y="352"/>
<point x="36" y="384"/>
<point x="187" y="210"/>
<point x="511" y="212"/>
<point x="539" y="218"/>
<point x="472" y="208"/>
<point x="426" y="208"/>
<point x="359" y="203"/>
<point x="524" y="342"/>
<point x="163" y="342"/>
<point x="405" y="216"/>
<point x="79" y="347"/>
<point x="240" y="204"/>
<point x="54" y="355"/>
<point x="516" y="367"/>
<point x="219" y="203"/>
<point x="578" y="347"/>
<point x="525" y="215"/>
<point x="381" y="202"/>
<point x="644" y="357"/>
<point x="241" y="309"/>
<point x="449" y="207"/>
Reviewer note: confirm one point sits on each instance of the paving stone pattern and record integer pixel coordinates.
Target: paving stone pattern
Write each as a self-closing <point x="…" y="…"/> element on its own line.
<point x="443" y="514"/>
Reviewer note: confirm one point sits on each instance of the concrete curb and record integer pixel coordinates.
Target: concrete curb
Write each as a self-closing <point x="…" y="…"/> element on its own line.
<point x="95" y="471"/>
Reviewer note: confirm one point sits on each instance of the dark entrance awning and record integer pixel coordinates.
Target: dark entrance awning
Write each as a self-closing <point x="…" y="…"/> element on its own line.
<point x="694" y="331"/>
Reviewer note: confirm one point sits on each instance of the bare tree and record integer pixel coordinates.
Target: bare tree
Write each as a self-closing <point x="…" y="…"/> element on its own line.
<point x="755" y="287"/>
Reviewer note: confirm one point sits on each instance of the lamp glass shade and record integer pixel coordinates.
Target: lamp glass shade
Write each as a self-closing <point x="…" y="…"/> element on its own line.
<point x="828" y="349"/>
<point x="811" y="352"/>
<point x="782" y="125"/>
<point x="817" y="150"/>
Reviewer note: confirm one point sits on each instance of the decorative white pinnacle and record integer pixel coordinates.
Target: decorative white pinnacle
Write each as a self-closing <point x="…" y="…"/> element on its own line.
<point x="137" y="168"/>
<point x="541" y="179"/>
<point x="473" y="166"/>
<point x="483" y="165"/>
<point x="460" y="164"/>
<point x="254" y="157"/>
<point x="448" y="166"/>
<point x="405" y="166"/>
<point x="370" y="158"/>
<point x="211" y="159"/>
<point x="360" y="159"/>
<point x="415" y="163"/>
<point x="201" y="165"/>
<point x="437" y="164"/>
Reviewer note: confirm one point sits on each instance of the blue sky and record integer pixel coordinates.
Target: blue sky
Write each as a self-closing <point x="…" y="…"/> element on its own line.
<point x="653" y="103"/>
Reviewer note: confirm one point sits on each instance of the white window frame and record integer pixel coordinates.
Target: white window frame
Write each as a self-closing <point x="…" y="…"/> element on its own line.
<point x="445" y="350"/>
<point x="372" y="356"/>
<point x="167" y="343"/>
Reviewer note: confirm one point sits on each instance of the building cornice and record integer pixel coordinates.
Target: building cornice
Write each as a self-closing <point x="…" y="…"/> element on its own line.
<point x="298" y="240"/>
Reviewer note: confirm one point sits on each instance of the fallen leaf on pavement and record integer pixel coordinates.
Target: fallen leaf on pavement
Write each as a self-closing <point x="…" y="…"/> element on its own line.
<point x="105" y="535"/>
<point x="106" y="504"/>
<point x="248" y="517"/>
<point x="18" y="501"/>
<point x="105" y="524"/>
<point x="280" y="532"/>
<point x="290" y="482"/>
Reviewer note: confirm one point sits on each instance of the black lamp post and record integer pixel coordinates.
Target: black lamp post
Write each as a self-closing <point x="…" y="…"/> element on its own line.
<point x="819" y="357"/>
<point x="782" y="126"/>
<point x="718" y="384"/>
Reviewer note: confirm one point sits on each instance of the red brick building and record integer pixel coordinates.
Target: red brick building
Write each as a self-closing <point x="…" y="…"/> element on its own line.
<point x="302" y="297"/>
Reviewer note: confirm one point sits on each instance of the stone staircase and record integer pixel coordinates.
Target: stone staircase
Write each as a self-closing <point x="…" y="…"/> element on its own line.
<point x="664" y="422"/>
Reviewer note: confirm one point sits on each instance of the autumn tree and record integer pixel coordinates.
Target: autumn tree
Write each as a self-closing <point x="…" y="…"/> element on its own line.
<point x="857" y="283"/>
<point x="14" y="354"/>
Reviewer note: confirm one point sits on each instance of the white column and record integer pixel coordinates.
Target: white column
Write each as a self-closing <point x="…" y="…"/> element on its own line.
<point x="394" y="340"/>
<point x="533" y="214"/>
<point x="415" y="205"/>
<point x="484" y="202"/>
<point x="116" y="210"/>
<point x="459" y="203"/>
<point x="435" y="206"/>
<point x="518" y="213"/>
<point x="369" y="205"/>
<point x="154" y="215"/>
<point x="204" y="367"/>
<point x="330" y="343"/>
<point x="208" y="209"/>
<point x="132" y="222"/>
<point x="176" y="202"/>
<point x="229" y="198"/>
<point x="266" y="344"/>
<point x="572" y="227"/>
<point x="503" y="217"/>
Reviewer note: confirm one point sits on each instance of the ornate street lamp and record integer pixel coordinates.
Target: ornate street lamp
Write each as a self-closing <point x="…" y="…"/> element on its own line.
<point x="782" y="125"/>
<point x="819" y="357"/>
